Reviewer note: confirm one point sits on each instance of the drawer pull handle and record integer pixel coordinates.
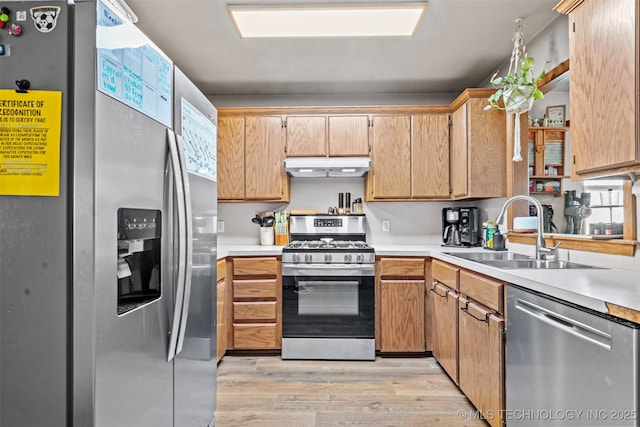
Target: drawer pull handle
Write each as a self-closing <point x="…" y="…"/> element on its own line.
<point x="437" y="293"/>
<point x="486" y="315"/>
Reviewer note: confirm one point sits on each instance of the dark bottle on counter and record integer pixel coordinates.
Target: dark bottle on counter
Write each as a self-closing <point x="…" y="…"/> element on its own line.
<point x="347" y="203"/>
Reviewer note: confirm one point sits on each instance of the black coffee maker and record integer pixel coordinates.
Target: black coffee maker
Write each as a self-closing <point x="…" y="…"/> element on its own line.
<point x="460" y="227"/>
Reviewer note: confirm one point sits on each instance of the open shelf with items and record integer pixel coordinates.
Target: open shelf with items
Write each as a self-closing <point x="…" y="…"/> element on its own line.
<point x="546" y="159"/>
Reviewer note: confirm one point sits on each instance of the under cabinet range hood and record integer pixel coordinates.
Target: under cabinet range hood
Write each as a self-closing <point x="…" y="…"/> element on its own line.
<point x="332" y="167"/>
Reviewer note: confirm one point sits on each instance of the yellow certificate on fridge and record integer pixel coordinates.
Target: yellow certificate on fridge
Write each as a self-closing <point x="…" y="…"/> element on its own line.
<point x="30" y="142"/>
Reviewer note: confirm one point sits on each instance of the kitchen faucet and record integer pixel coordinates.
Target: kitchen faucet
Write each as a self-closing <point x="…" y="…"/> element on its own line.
<point x="541" y="249"/>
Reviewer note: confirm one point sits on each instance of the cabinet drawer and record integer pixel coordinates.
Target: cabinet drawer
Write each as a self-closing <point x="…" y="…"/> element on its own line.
<point x="401" y="267"/>
<point x="263" y="266"/>
<point x="222" y="269"/>
<point x="445" y="273"/>
<point x="484" y="290"/>
<point x="257" y="336"/>
<point x="255" y="289"/>
<point x="255" y="311"/>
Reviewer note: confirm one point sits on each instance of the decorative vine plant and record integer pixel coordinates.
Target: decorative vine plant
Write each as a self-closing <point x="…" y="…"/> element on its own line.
<point x="516" y="91"/>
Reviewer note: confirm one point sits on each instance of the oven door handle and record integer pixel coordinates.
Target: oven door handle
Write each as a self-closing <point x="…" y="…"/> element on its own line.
<point x="328" y="270"/>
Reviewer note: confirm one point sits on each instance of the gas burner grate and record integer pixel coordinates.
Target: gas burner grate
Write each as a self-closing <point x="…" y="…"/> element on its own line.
<point x="334" y="244"/>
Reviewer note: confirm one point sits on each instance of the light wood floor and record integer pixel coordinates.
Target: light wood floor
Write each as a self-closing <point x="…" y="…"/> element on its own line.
<point x="407" y="392"/>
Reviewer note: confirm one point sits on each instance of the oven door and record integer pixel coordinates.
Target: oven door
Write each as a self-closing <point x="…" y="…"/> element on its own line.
<point x="328" y="301"/>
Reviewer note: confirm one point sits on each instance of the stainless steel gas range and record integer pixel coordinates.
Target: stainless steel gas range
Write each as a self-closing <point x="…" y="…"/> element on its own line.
<point x="328" y="275"/>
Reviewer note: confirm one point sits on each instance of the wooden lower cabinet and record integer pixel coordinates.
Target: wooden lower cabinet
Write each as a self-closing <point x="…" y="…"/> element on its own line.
<point x="481" y="359"/>
<point x="400" y="309"/>
<point x="221" y="311"/>
<point x="466" y="323"/>
<point x="444" y="331"/>
<point x="221" y="327"/>
<point x="402" y="313"/>
<point x="256" y="303"/>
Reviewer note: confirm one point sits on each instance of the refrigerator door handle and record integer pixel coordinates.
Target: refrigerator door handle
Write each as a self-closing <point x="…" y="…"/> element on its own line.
<point x="182" y="250"/>
<point x="188" y="243"/>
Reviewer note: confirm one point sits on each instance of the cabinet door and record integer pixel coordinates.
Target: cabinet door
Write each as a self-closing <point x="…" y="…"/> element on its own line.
<point x="230" y="158"/>
<point x="481" y="361"/>
<point x="306" y="136"/>
<point x="402" y="315"/>
<point x="264" y="158"/>
<point x="487" y="145"/>
<point x="391" y="157"/>
<point x="445" y="328"/>
<point x="430" y="156"/>
<point x="221" y="327"/>
<point x="348" y="136"/>
<point x="603" y="48"/>
<point x="459" y="153"/>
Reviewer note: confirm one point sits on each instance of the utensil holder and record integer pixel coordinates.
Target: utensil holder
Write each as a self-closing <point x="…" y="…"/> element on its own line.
<point x="282" y="234"/>
<point x="266" y="236"/>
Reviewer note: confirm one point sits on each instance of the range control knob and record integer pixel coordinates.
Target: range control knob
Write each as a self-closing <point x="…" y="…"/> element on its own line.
<point x="327" y="258"/>
<point x="296" y="258"/>
<point x="347" y="258"/>
<point x="307" y="258"/>
<point x="360" y="258"/>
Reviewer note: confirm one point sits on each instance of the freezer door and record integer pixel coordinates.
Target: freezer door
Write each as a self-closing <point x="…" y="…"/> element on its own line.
<point x="195" y="365"/>
<point x="133" y="380"/>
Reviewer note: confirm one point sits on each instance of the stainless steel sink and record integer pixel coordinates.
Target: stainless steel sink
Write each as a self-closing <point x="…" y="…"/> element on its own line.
<point x="535" y="264"/>
<point x="511" y="260"/>
<point x="489" y="256"/>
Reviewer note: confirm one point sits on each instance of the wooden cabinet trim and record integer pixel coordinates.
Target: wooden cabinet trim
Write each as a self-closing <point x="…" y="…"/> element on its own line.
<point x="221" y="269"/>
<point x="615" y="247"/>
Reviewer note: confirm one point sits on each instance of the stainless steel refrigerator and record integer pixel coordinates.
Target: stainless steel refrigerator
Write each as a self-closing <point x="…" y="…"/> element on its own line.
<point x="107" y="285"/>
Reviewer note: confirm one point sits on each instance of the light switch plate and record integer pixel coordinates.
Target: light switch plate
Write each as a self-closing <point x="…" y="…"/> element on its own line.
<point x="220" y="226"/>
<point x="386" y="225"/>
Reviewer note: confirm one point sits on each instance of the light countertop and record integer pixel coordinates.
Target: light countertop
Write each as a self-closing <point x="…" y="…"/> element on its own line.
<point x="590" y="288"/>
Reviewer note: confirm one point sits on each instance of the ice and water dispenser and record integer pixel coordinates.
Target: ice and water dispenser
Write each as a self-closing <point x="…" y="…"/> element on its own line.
<point x="139" y="243"/>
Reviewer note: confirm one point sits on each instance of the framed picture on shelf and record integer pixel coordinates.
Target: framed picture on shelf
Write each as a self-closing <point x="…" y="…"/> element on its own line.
<point x="556" y="115"/>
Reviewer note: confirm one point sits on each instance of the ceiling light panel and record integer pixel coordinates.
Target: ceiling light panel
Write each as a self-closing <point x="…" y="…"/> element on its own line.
<point x="372" y="20"/>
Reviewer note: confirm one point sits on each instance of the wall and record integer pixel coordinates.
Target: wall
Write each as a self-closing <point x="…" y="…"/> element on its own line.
<point x="411" y="222"/>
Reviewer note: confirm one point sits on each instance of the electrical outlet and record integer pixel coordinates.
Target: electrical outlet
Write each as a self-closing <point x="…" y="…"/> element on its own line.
<point x="386" y="225"/>
<point x="220" y="226"/>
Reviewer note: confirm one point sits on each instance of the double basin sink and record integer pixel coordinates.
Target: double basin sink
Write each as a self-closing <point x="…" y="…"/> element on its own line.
<point x="510" y="260"/>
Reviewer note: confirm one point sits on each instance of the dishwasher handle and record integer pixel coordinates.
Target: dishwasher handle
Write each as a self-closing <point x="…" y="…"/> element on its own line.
<point x="564" y="323"/>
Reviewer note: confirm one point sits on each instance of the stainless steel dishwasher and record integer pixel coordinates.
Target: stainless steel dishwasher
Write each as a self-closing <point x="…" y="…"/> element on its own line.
<point x="567" y="365"/>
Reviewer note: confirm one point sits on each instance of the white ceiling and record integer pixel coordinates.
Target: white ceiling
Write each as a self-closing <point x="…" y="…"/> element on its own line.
<point x="457" y="45"/>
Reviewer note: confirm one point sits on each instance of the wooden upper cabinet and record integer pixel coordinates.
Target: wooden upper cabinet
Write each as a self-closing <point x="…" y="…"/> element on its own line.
<point x="603" y="50"/>
<point x="430" y="156"/>
<point x="478" y="150"/>
<point x="390" y="175"/>
<point x="265" y="178"/>
<point x="306" y="136"/>
<point x="231" y="158"/>
<point x="349" y="135"/>
<point x="459" y="154"/>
